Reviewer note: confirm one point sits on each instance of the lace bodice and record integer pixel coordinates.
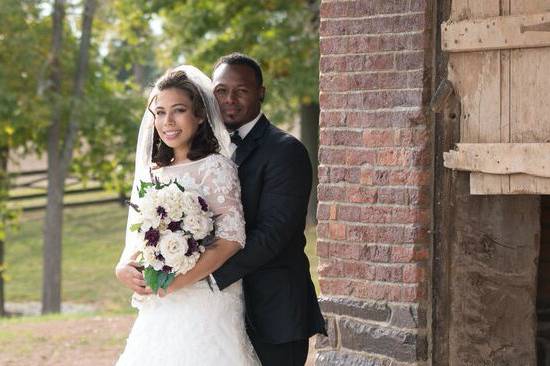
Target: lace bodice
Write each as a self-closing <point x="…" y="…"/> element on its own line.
<point x="216" y="179"/>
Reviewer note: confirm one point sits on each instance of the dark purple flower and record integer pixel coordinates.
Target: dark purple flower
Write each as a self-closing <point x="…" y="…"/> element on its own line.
<point x="159" y="257"/>
<point x="204" y="205"/>
<point x="152" y="237"/>
<point x="174" y="226"/>
<point x="166" y="269"/>
<point x="162" y="212"/>
<point x="193" y="246"/>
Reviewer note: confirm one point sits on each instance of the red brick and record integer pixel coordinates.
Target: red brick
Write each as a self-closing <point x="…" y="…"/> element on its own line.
<point x="336" y="286"/>
<point x="404" y="157"/>
<point x="393" y="196"/>
<point x="349" y="63"/>
<point x="334" y="249"/>
<point x="379" y="253"/>
<point x="323" y="172"/>
<point x="333" y="212"/>
<point x="322" y="230"/>
<point x="371" y="119"/>
<point x="409" y="177"/>
<point x="379" y="138"/>
<point x="338" y="9"/>
<point x="348" y="213"/>
<point x="412" y="293"/>
<point x="359" y="270"/>
<point x="330" y="155"/>
<point x="409" y="60"/>
<point x="362" y="43"/>
<point x="408" y="254"/>
<point x="360" y="233"/>
<point x="323" y="211"/>
<point x="337" y="231"/>
<point x="341" y="174"/>
<point x="372" y="99"/>
<point x="388" y="273"/>
<point x="413" y="273"/>
<point x="346" y="138"/>
<point x="322" y="249"/>
<point x="416" y="234"/>
<point x="331" y="193"/>
<point x="359" y="194"/>
<point x="332" y="119"/>
<point x="331" y="268"/>
<point x="374" y="25"/>
<point x="419" y="5"/>
<point x="360" y="156"/>
<point x="389" y="234"/>
<point x="363" y="81"/>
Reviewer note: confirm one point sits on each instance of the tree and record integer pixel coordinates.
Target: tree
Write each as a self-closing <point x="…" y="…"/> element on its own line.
<point x="21" y="106"/>
<point x="60" y="149"/>
<point x="281" y="34"/>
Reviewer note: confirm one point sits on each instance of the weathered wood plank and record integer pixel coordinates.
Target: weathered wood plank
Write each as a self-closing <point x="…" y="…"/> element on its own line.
<point x="529" y="110"/>
<point x="501" y="158"/>
<point x="495" y="33"/>
<point x="492" y="240"/>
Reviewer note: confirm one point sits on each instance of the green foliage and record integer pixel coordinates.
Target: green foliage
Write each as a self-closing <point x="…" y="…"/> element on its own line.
<point x="157" y="279"/>
<point x="281" y="34"/>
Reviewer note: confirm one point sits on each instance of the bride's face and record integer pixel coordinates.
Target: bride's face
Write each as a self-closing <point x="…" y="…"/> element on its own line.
<point x="175" y="119"/>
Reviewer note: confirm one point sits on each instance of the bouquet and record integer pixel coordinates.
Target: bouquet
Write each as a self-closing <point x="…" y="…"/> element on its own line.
<point x="173" y="224"/>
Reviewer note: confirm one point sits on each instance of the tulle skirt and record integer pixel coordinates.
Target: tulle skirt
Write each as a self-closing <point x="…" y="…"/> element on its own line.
<point x="192" y="326"/>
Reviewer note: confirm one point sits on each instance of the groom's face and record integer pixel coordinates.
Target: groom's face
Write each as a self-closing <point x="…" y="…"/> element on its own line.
<point x="238" y="94"/>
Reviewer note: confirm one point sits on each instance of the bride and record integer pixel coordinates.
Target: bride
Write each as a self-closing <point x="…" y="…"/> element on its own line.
<point x="191" y="323"/>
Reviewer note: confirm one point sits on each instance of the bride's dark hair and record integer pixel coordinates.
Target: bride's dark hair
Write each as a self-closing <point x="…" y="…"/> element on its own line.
<point x="204" y="142"/>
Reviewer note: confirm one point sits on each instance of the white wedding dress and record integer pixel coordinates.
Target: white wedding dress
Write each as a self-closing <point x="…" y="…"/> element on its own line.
<point x="196" y="325"/>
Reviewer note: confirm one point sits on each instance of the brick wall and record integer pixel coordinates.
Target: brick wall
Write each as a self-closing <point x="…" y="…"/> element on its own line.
<point x="374" y="182"/>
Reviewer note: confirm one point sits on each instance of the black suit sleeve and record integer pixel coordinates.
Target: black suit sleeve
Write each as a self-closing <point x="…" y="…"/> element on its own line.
<point x="281" y="211"/>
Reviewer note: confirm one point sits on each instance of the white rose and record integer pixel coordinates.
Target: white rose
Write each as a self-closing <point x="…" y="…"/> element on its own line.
<point x="149" y="255"/>
<point x="188" y="263"/>
<point x="173" y="202"/>
<point x="148" y="209"/>
<point x="190" y="203"/>
<point x="173" y="247"/>
<point x="198" y="225"/>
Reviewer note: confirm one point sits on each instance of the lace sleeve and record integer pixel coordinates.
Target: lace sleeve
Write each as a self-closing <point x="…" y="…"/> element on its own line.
<point x="224" y="199"/>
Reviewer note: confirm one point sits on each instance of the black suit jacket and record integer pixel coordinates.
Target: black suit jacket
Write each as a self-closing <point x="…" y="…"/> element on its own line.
<point x="275" y="175"/>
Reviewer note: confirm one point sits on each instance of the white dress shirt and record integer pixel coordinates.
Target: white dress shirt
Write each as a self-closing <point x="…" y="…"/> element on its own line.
<point x="243" y="131"/>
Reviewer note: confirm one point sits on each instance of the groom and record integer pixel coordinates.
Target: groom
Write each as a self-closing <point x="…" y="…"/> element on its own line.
<point x="275" y="173"/>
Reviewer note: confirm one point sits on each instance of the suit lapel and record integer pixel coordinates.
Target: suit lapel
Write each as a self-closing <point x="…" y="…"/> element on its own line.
<point x="251" y="141"/>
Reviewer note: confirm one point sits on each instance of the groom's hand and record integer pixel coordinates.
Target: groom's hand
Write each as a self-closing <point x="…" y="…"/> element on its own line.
<point x="130" y="276"/>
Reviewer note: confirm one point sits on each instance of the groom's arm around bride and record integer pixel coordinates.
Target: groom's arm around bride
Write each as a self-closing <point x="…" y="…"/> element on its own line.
<point x="275" y="173"/>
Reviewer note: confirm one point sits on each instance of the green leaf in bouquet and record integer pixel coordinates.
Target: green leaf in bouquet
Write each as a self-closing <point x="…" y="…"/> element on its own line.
<point x="151" y="278"/>
<point x="169" y="280"/>
<point x="135" y="227"/>
<point x="143" y="186"/>
<point x="179" y="186"/>
<point x="161" y="279"/>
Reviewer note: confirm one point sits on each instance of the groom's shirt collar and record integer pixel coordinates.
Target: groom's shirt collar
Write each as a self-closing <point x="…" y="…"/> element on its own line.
<point x="247" y="127"/>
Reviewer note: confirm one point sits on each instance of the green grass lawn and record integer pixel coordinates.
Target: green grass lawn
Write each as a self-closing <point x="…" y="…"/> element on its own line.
<point x="93" y="237"/>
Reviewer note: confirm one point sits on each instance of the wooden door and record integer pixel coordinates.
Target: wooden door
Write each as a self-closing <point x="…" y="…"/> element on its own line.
<point x="499" y="64"/>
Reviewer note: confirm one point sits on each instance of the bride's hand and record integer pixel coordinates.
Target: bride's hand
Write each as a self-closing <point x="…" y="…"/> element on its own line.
<point x="130" y="275"/>
<point x="179" y="282"/>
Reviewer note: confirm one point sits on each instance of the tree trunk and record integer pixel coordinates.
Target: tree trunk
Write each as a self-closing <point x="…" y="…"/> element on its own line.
<point x="51" y="277"/>
<point x="59" y="160"/>
<point x="309" y="133"/>
<point x="3" y="196"/>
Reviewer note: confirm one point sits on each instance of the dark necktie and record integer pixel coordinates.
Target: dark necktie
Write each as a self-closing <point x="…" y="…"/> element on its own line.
<point x="236" y="138"/>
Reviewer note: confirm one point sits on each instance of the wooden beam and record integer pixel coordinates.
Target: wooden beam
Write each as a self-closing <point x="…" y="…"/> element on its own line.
<point x="501" y="158"/>
<point x="503" y="32"/>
